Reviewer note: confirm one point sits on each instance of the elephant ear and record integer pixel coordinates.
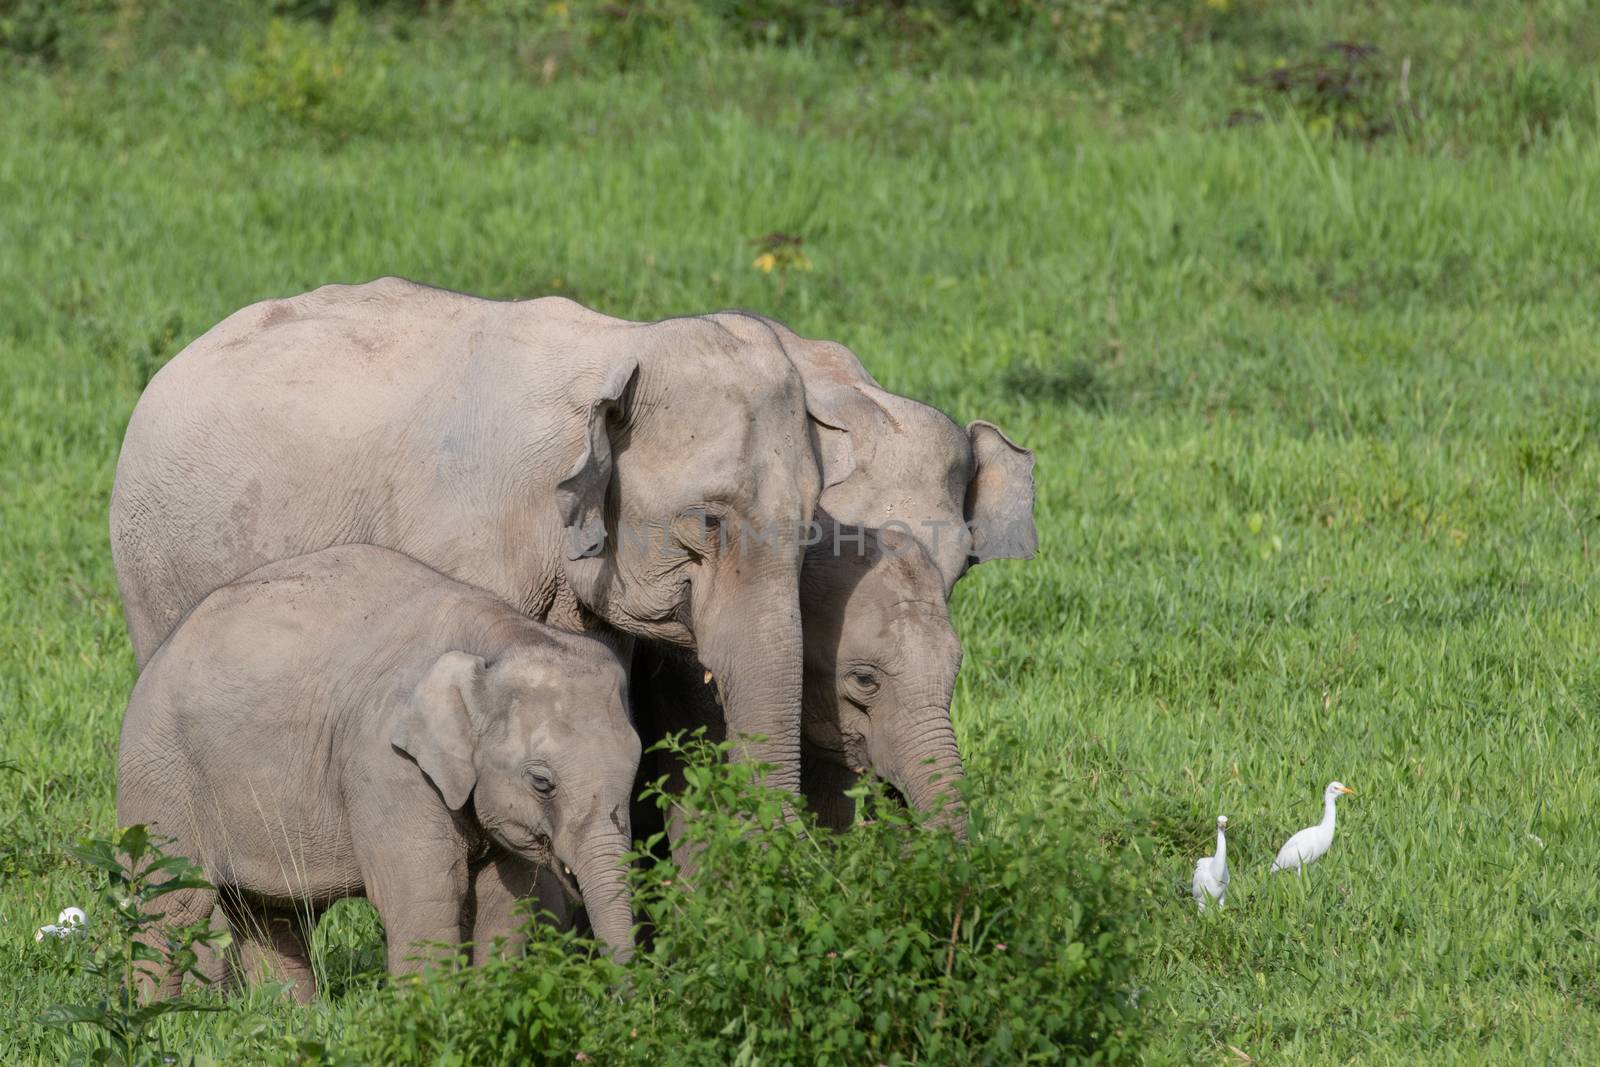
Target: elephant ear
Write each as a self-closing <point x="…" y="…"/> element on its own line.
<point x="835" y="458"/>
<point x="1000" y="496"/>
<point x="829" y="373"/>
<point x="581" y="495"/>
<point x="843" y="416"/>
<point x="436" y="727"/>
<point x="842" y="420"/>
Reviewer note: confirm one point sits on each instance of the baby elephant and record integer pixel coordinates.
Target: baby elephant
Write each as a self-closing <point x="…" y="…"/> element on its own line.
<point x="881" y="660"/>
<point x="353" y="723"/>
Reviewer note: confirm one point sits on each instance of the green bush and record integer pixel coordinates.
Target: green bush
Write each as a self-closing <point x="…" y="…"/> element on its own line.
<point x="49" y="30"/>
<point x="328" y="79"/>
<point x="620" y="34"/>
<point x="578" y="36"/>
<point x="890" y="944"/>
<point x="327" y="10"/>
<point x="1345" y="90"/>
<point x="116" y="1029"/>
<point x="1068" y="30"/>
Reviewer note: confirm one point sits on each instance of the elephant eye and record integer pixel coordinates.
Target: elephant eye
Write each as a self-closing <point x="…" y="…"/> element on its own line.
<point x="860" y="683"/>
<point x="540" y="779"/>
<point x="699" y="530"/>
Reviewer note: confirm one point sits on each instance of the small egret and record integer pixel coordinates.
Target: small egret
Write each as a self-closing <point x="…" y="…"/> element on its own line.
<point x="1211" y="872"/>
<point x="1309" y="845"/>
<point x="69" y="923"/>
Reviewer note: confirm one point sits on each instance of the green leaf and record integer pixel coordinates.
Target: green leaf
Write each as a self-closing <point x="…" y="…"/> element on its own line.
<point x="73" y="1014"/>
<point x="134" y="841"/>
<point x="140" y="952"/>
<point x="95" y="852"/>
<point x="151" y="1012"/>
<point x="155" y="892"/>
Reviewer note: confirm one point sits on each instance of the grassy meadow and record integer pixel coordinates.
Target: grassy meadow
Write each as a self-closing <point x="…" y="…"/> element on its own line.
<point x="1311" y="376"/>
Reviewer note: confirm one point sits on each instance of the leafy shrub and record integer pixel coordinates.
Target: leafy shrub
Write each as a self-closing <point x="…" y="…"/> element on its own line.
<point x="327" y="10"/>
<point x="1072" y="31"/>
<point x="135" y="873"/>
<point x="1345" y="91"/>
<point x="575" y="36"/>
<point x="328" y="79"/>
<point x="579" y="34"/>
<point x="48" y="30"/>
<point x="893" y="943"/>
<point x="1357" y="90"/>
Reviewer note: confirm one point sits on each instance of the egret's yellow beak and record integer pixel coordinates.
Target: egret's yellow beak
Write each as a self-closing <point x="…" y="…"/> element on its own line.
<point x="1346" y="789"/>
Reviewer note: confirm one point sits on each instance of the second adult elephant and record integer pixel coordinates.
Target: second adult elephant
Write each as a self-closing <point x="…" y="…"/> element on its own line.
<point x="590" y="471"/>
<point x="963" y="494"/>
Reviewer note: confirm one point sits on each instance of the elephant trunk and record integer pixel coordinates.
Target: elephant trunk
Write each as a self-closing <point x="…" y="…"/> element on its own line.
<point x="925" y="765"/>
<point x="753" y="649"/>
<point x="605" y="894"/>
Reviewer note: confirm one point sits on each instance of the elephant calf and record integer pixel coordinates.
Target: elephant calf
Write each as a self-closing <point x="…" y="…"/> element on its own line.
<point x="881" y="660"/>
<point x="353" y="723"/>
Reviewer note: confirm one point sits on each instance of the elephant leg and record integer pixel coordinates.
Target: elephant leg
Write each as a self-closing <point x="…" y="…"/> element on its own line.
<point x="644" y="816"/>
<point x="672" y="695"/>
<point x="497" y="923"/>
<point x="423" y="907"/>
<point x="218" y="968"/>
<point x="824" y="783"/>
<point x="685" y="853"/>
<point x="274" y="944"/>
<point x="162" y="981"/>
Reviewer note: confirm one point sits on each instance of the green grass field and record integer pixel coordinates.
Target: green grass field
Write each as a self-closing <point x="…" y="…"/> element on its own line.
<point x="1317" y="419"/>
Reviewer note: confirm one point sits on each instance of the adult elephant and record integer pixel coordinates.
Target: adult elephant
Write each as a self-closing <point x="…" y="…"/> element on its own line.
<point x="649" y="478"/>
<point x="964" y="494"/>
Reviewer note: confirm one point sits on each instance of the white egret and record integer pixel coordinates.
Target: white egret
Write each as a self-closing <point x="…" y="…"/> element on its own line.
<point x="68" y="924"/>
<point x="1309" y="845"/>
<point x="1211" y="872"/>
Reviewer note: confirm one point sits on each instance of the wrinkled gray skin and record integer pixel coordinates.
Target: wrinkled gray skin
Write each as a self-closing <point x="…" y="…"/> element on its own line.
<point x="504" y="444"/>
<point x="352" y="723"/>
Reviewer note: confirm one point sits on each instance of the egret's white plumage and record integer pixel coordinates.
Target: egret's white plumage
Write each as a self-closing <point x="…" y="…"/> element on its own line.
<point x="69" y="923"/>
<point x="1211" y="873"/>
<point x="1309" y="845"/>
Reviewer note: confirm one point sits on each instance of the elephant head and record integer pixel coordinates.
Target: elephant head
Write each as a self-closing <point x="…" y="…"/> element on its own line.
<point x="543" y="750"/>
<point x="685" y="511"/>
<point x="965" y="494"/>
<point x="880" y="664"/>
